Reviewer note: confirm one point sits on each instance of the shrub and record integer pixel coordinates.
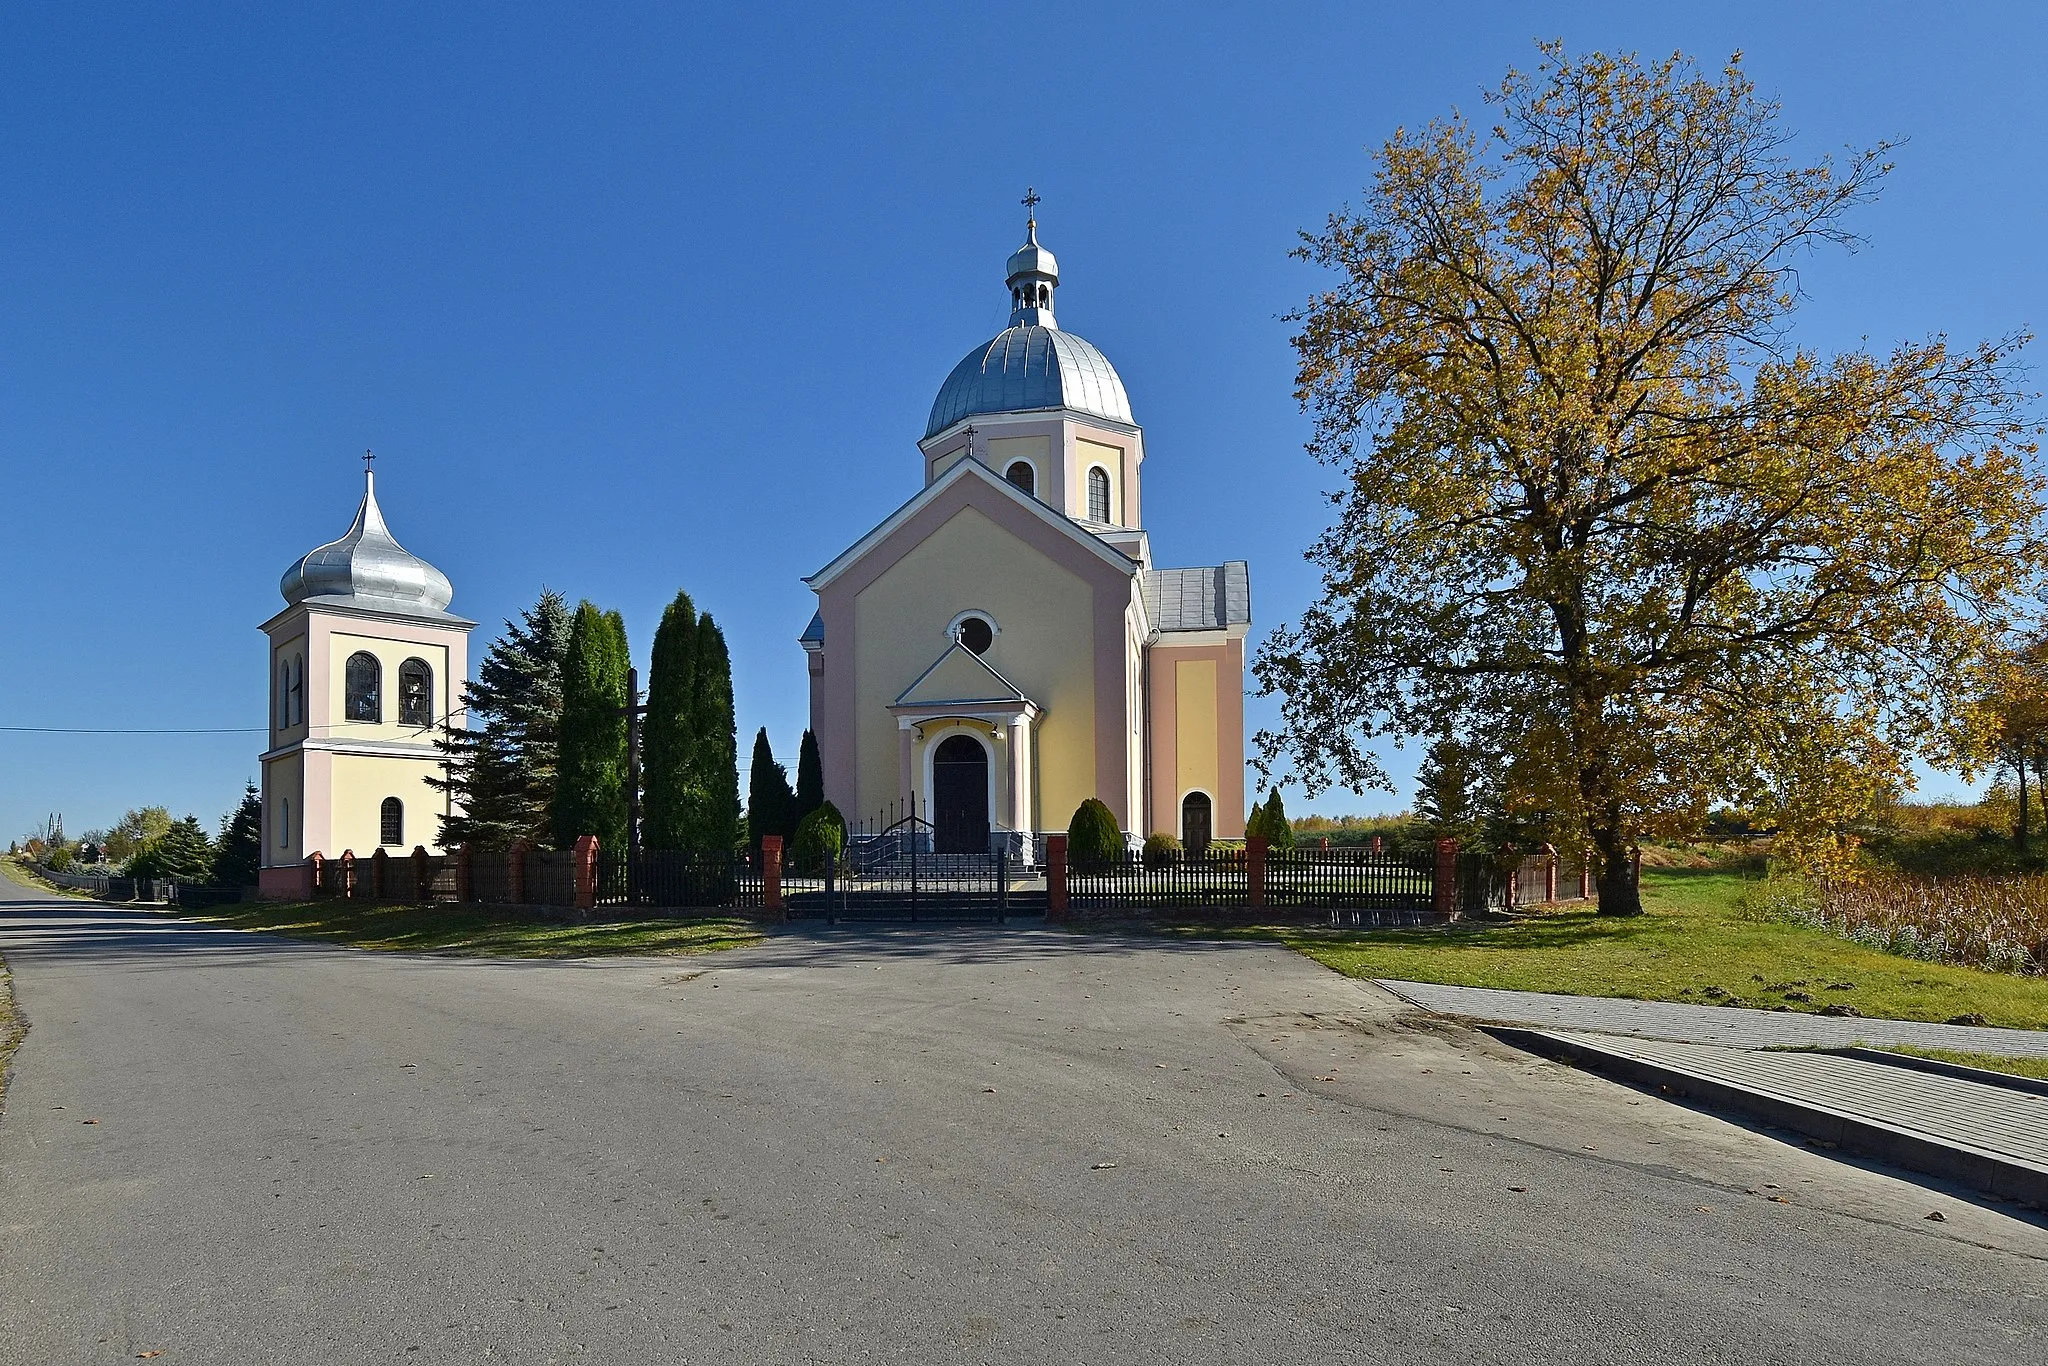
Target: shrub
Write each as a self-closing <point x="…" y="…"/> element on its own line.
<point x="820" y="839"/>
<point x="1093" y="839"/>
<point x="1161" y="849"/>
<point x="59" y="859"/>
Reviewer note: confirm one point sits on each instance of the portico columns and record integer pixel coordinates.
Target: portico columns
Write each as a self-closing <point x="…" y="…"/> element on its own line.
<point x="1020" y="773"/>
<point x="906" y="780"/>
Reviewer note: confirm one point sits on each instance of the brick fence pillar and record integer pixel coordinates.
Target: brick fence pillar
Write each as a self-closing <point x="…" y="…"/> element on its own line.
<point x="1255" y="868"/>
<point x="1549" y="873"/>
<point x="348" y="873"/>
<point x="771" y="877"/>
<point x="465" y="873"/>
<point x="515" y="873"/>
<point x="1444" y="891"/>
<point x="1056" y="877"/>
<point x="380" y="875"/>
<point x="583" y="862"/>
<point x="316" y="864"/>
<point x="422" y="874"/>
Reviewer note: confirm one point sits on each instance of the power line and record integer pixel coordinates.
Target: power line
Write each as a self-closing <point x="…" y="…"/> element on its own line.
<point x="138" y="730"/>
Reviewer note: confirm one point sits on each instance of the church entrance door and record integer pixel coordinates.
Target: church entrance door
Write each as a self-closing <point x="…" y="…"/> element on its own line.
<point x="1194" y="824"/>
<point x="960" y="797"/>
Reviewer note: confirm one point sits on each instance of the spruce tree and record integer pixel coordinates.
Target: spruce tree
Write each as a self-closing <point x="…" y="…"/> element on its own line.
<point x="1274" y="826"/>
<point x="810" y="777"/>
<point x="668" y="735"/>
<point x="590" y="786"/>
<point x="239" y="851"/>
<point x="770" y="804"/>
<point x="183" y="854"/>
<point x="714" y="767"/>
<point x="501" y="761"/>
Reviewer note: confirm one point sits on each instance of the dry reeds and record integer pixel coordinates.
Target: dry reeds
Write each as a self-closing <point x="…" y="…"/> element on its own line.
<point x="2000" y="924"/>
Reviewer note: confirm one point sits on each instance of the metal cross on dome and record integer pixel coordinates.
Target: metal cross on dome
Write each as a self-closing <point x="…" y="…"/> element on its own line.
<point x="1030" y="201"/>
<point x="368" y="456"/>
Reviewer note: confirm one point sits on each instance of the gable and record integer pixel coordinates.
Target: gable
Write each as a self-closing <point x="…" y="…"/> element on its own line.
<point x="959" y="675"/>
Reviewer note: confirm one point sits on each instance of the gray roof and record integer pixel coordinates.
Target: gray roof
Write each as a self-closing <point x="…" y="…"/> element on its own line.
<point x="1204" y="599"/>
<point x="369" y="569"/>
<point x="1026" y="368"/>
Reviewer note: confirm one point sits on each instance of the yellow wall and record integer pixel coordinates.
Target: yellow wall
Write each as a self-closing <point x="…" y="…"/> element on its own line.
<point x="361" y="783"/>
<point x="284" y="778"/>
<point x="1036" y="449"/>
<point x="1087" y="455"/>
<point x="1044" y="614"/>
<point x="1194" y="743"/>
<point x="391" y="654"/>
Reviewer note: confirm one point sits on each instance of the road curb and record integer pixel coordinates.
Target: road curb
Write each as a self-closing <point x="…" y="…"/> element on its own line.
<point x="2011" y="1081"/>
<point x="1997" y="1174"/>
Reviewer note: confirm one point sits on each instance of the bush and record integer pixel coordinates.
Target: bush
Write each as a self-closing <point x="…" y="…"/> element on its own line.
<point x="1161" y="849"/>
<point x="59" y="859"/>
<point x="820" y="839"/>
<point x="1093" y="839"/>
<point x="1269" y="822"/>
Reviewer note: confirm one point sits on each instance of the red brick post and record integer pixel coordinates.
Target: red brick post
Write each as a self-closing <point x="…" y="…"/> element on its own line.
<point x="316" y="863"/>
<point x="771" y="877"/>
<point x="1444" y="892"/>
<point x="1549" y="873"/>
<point x="583" y="859"/>
<point x="1255" y="868"/>
<point x="422" y="874"/>
<point x="465" y="869"/>
<point x="380" y="875"/>
<point x="348" y="873"/>
<point x="1056" y="877"/>
<point x="1376" y="844"/>
<point x="515" y="873"/>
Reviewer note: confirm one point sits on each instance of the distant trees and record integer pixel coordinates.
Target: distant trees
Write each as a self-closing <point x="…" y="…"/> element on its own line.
<point x="182" y="853"/>
<point x="1268" y="821"/>
<point x="1597" y="513"/>
<point x="771" y="806"/>
<point x="810" y="776"/>
<point x="590" y="778"/>
<point x="238" y="853"/>
<point x="500" y="766"/>
<point x="135" y="831"/>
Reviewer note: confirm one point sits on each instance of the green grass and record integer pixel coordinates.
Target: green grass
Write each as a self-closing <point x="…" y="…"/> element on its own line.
<point x="2036" y="1068"/>
<point x="25" y="874"/>
<point x="1695" y="943"/>
<point x="480" y="932"/>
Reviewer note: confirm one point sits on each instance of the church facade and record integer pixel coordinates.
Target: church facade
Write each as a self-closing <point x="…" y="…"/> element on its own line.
<point x="1003" y="647"/>
<point x="366" y="661"/>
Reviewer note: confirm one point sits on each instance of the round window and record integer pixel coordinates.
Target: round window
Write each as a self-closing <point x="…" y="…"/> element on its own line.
<point x="976" y="634"/>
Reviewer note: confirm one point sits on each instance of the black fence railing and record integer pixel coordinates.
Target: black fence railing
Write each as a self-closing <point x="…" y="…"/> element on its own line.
<point x="675" y="880"/>
<point x="1219" y="878"/>
<point x="1327" y="879"/>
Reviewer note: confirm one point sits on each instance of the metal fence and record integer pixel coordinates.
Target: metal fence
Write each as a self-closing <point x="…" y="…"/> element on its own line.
<point x="1219" y="878"/>
<point x="1350" y="879"/>
<point x="665" y="879"/>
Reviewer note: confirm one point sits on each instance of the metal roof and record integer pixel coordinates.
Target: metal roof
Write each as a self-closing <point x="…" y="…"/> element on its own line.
<point x="1026" y="368"/>
<point x="814" y="634"/>
<point x="367" y="568"/>
<point x="1209" y="598"/>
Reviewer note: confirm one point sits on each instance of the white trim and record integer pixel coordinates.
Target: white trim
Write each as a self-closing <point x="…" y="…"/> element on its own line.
<point x="980" y="421"/>
<point x="953" y="629"/>
<point x="1215" y="636"/>
<point x="938" y="736"/>
<point x="1037" y="475"/>
<point x="386" y="749"/>
<point x="958" y="470"/>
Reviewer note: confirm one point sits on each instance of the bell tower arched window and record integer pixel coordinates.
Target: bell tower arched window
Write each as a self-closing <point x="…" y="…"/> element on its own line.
<point x="391" y="822"/>
<point x="1098" y="495"/>
<point x="1022" y="475"/>
<point x="364" y="682"/>
<point x="415" y="693"/>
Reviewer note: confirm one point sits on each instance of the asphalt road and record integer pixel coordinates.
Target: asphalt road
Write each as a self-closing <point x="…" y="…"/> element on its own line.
<point x="958" y="1147"/>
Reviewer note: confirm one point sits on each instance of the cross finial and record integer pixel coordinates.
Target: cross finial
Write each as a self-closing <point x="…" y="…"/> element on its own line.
<point x="368" y="456"/>
<point x="1030" y="203"/>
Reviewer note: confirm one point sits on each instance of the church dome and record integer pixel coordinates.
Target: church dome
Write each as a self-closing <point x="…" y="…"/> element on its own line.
<point x="367" y="568"/>
<point x="1025" y="368"/>
<point x="1031" y="364"/>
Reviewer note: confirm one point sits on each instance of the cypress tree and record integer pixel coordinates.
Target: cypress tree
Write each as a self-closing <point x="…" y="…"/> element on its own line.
<point x="669" y="735"/>
<point x="590" y="789"/>
<point x="1279" y="832"/>
<point x="500" y="764"/>
<point x="769" y="800"/>
<point x="714" y="769"/>
<point x="239" y="850"/>
<point x="810" y="777"/>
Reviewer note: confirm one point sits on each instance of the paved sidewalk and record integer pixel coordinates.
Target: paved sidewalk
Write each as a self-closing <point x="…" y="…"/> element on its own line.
<point x="1989" y="1136"/>
<point x="1730" y="1026"/>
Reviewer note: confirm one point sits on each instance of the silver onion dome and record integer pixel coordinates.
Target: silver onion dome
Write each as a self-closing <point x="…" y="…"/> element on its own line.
<point x="1031" y="364"/>
<point x="367" y="568"/>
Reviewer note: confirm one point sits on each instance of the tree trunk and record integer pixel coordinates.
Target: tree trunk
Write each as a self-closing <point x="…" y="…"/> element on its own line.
<point x="1619" y="894"/>
<point x="2019" y="834"/>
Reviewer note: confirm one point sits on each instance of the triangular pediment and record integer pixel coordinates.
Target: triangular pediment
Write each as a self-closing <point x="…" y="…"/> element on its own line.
<point x="959" y="675"/>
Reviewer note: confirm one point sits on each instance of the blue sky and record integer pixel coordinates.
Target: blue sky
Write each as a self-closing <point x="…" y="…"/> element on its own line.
<point x="632" y="297"/>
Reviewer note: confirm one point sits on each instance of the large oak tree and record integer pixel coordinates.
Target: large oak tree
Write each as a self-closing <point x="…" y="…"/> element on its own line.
<point x="1600" y="518"/>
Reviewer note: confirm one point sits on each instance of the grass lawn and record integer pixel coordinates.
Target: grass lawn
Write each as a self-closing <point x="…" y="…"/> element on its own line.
<point x="2036" y="1068"/>
<point x="477" y="931"/>
<point x="26" y="875"/>
<point x="1694" y="943"/>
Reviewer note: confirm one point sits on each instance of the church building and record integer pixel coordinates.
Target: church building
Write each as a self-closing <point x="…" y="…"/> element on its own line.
<point x="1003" y="647"/>
<point x="365" y="663"/>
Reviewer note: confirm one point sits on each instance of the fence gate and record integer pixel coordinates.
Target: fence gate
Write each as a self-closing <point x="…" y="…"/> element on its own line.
<point x="897" y="876"/>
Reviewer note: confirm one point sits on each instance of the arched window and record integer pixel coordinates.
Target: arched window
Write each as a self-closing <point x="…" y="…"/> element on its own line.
<point x="415" y="693"/>
<point x="365" y="680"/>
<point x="391" y="822"/>
<point x="284" y="822"/>
<point x="1098" y="495"/>
<point x="284" y="693"/>
<point x="1022" y="475"/>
